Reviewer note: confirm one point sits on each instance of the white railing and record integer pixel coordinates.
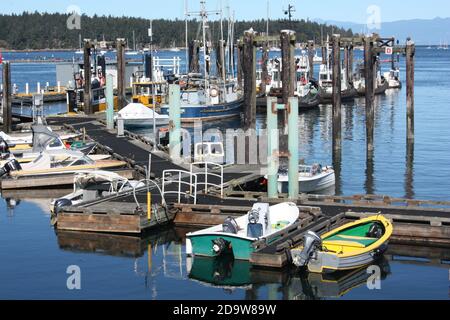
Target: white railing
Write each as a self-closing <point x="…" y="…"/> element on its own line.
<point x="205" y="172"/>
<point x="168" y="178"/>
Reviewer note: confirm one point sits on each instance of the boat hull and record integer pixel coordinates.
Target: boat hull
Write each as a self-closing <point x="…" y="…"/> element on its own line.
<point x="329" y="262"/>
<point x="346" y="95"/>
<point x="310" y="185"/>
<point x="201" y="245"/>
<point x="191" y="113"/>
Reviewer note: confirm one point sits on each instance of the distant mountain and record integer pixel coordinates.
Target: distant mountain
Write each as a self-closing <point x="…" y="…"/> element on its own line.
<point x="423" y="32"/>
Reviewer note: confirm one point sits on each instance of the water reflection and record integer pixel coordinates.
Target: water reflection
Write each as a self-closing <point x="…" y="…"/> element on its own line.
<point x="288" y="284"/>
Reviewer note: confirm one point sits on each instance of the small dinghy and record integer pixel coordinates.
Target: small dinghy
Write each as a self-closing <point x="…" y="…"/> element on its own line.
<point x="137" y="115"/>
<point x="237" y="236"/>
<point x="313" y="178"/>
<point x="350" y="246"/>
<point x="92" y="185"/>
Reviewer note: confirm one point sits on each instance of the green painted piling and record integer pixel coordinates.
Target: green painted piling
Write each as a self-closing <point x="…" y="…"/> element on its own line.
<point x="109" y="102"/>
<point x="174" y="122"/>
<point x="272" y="148"/>
<point x="293" y="148"/>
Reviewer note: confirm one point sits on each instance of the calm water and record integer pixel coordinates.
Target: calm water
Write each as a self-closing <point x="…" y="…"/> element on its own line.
<point x="34" y="258"/>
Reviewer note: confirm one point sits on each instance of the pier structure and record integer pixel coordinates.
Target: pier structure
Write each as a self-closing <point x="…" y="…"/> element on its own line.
<point x="374" y="45"/>
<point x="120" y="46"/>
<point x="87" y="91"/>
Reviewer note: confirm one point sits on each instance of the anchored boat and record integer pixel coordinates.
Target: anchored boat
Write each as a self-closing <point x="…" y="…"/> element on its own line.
<point x="138" y="115"/>
<point x="350" y="246"/>
<point x="310" y="179"/>
<point x="92" y="185"/>
<point x="237" y="236"/>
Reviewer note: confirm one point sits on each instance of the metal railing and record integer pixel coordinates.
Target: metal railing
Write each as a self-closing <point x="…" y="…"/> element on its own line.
<point x="206" y="172"/>
<point x="167" y="178"/>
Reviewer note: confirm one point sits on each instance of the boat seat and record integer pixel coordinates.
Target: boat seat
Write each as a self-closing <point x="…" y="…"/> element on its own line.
<point x="352" y="241"/>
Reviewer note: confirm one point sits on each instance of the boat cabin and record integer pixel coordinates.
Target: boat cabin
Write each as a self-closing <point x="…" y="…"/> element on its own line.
<point x="209" y="152"/>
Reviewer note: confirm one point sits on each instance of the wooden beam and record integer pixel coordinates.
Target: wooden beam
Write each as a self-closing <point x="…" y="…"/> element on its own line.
<point x="6" y="103"/>
<point x="120" y="44"/>
<point x="87" y="92"/>
<point x="410" y="60"/>
<point x="370" y="91"/>
<point x="337" y="119"/>
<point x="249" y="70"/>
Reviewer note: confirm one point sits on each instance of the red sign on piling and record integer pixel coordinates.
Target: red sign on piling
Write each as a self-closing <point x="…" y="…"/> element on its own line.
<point x="389" y="50"/>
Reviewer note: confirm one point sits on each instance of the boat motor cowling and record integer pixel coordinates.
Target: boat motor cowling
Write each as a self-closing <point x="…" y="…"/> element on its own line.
<point x="4" y="147"/>
<point x="311" y="243"/>
<point x="60" y="204"/>
<point x="10" y="166"/>
<point x="221" y="246"/>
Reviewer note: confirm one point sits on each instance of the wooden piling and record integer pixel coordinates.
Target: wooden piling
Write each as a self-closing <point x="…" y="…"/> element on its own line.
<point x="311" y="54"/>
<point x="264" y="70"/>
<point x="87" y="91"/>
<point x="350" y="63"/>
<point x="337" y="119"/>
<point x="6" y="103"/>
<point x="220" y="60"/>
<point x="346" y="62"/>
<point x="249" y="70"/>
<point x="121" y="73"/>
<point x="288" y="72"/>
<point x="370" y="91"/>
<point x="410" y="60"/>
<point x="324" y="55"/>
<point x="194" y="49"/>
<point x="239" y="62"/>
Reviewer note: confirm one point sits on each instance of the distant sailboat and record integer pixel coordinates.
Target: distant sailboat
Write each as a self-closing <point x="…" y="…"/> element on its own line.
<point x="80" y="51"/>
<point x="134" y="52"/>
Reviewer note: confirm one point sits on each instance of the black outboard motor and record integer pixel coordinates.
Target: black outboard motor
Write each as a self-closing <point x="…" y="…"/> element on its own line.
<point x="375" y="231"/>
<point x="4" y="147"/>
<point x="221" y="247"/>
<point x="60" y="204"/>
<point x="311" y="243"/>
<point x="10" y="166"/>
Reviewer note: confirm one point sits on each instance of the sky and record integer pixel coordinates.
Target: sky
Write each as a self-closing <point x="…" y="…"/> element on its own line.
<point x="346" y="10"/>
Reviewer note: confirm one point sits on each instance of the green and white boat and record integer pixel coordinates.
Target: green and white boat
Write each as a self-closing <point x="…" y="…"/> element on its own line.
<point x="237" y="236"/>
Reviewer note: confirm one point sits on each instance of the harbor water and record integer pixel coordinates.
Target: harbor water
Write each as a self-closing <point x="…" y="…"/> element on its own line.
<point x="35" y="258"/>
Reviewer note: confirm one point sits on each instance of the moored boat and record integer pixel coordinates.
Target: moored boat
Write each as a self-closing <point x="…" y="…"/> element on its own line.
<point x="237" y="236"/>
<point x="350" y="246"/>
<point x="138" y="115"/>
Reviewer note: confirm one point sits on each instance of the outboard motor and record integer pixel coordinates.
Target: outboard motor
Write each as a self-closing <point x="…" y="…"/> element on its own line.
<point x="254" y="228"/>
<point x="375" y="231"/>
<point x="60" y="204"/>
<point x="10" y="166"/>
<point x="221" y="246"/>
<point x="311" y="243"/>
<point x="4" y="147"/>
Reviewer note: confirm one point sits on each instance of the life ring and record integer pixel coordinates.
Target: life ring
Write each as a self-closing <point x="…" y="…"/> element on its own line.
<point x="214" y="92"/>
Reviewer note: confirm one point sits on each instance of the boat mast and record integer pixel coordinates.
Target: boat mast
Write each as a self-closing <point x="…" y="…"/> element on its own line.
<point x="204" y="17"/>
<point x="186" y="14"/>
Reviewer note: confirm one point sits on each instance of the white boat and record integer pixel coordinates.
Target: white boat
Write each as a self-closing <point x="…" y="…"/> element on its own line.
<point x="138" y="115"/>
<point x="393" y="78"/>
<point x="275" y="49"/>
<point x="237" y="236"/>
<point x="58" y="162"/>
<point x="209" y="152"/>
<point x="92" y="185"/>
<point x="311" y="179"/>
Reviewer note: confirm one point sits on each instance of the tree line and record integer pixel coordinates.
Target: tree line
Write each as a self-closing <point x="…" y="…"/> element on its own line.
<point x="49" y="30"/>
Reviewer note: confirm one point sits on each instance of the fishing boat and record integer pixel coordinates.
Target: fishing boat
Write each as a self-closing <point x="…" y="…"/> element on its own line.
<point x="348" y="91"/>
<point x="204" y="97"/>
<point x="350" y="246"/>
<point x="58" y="162"/>
<point x="237" y="236"/>
<point x="92" y="185"/>
<point x="45" y="139"/>
<point x="312" y="178"/>
<point x="381" y="84"/>
<point x="137" y="115"/>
